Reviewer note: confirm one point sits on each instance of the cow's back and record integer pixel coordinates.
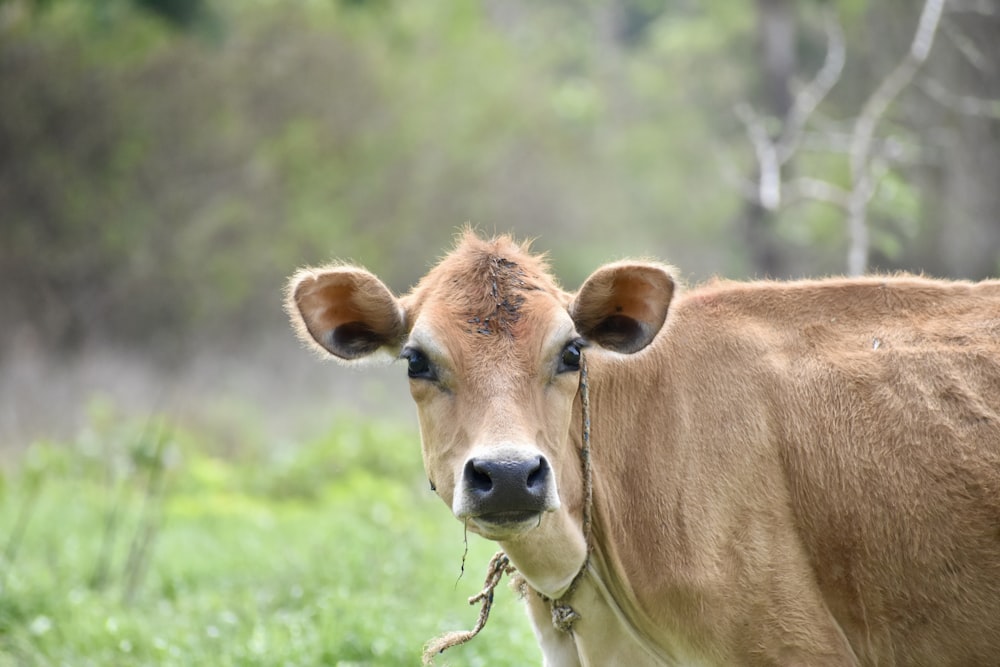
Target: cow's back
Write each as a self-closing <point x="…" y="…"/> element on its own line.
<point x="883" y="399"/>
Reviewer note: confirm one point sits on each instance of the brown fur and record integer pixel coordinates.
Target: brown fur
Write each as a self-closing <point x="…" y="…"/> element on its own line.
<point x="799" y="473"/>
<point x="486" y="286"/>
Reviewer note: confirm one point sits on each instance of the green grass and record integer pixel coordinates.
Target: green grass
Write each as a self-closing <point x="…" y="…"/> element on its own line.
<point x="336" y="554"/>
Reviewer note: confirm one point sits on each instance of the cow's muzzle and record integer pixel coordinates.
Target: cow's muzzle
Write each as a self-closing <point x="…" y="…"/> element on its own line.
<point x="508" y="487"/>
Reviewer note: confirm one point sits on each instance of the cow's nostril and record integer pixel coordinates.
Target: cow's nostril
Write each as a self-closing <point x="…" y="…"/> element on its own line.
<point x="477" y="475"/>
<point x="539" y="474"/>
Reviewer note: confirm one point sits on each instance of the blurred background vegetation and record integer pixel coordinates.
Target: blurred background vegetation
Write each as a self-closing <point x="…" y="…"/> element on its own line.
<point x="165" y="164"/>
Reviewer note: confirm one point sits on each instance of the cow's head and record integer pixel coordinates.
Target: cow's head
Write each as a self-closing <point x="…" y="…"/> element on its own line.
<point x="492" y="347"/>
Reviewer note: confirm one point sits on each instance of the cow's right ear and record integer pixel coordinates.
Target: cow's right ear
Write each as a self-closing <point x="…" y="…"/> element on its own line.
<point x="346" y="311"/>
<point x="622" y="306"/>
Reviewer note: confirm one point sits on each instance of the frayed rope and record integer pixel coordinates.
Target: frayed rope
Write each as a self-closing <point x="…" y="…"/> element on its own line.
<point x="499" y="566"/>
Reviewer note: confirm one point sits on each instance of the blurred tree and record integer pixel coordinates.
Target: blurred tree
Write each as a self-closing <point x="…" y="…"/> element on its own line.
<point x="956" y="105"/>
<point x="183" y="13"/>
<point x="885" y="138"/>
<point x="180" y="13"/>
<point x="777" y="36"/>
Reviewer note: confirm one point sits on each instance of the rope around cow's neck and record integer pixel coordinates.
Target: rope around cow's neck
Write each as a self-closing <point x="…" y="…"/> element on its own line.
<point x="563" y="615"/>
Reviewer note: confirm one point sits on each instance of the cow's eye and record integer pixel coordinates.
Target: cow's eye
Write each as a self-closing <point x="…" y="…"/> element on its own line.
<point x="569" y="359"/>
<point x="418" y="365"/>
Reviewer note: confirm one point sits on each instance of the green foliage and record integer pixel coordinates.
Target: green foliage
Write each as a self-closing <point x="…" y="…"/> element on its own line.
<point x="184" y="13"/>
<point x="169" y="183"/>
<point x="331" y="555"/>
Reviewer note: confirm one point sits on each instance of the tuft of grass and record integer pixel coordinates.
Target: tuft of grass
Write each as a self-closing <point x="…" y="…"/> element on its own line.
<point x="333" y="554"/>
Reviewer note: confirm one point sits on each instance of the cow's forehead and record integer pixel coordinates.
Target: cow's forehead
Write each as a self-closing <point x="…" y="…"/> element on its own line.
<point x="490" y="299"/>
<point x="486" y="287"/>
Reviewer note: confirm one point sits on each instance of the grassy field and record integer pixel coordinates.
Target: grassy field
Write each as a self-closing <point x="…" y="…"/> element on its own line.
<point x="133" y="545"/>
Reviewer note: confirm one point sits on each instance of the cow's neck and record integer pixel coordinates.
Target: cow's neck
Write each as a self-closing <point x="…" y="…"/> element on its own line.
<point x="626" y="532"/>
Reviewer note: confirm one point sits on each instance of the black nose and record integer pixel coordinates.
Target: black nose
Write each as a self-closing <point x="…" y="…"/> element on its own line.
<point x="503" y="485"/>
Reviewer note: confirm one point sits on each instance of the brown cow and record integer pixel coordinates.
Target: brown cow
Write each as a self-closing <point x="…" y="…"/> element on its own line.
<point x="801" y="473"/>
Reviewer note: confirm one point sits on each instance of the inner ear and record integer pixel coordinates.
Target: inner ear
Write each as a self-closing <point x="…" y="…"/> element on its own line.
<point x="622" y="306"/>
<point x="345" y="310"/>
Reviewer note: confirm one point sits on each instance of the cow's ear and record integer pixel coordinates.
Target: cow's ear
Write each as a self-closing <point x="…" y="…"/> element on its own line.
<point x="622" y="306"/>
<point x="345" y="310"/>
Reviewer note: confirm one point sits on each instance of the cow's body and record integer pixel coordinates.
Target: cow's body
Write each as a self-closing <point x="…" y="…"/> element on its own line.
<point x="783" y="473"/>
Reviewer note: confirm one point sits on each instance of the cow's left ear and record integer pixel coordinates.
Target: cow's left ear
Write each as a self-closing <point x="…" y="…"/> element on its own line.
<point x="622" y="306"/>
